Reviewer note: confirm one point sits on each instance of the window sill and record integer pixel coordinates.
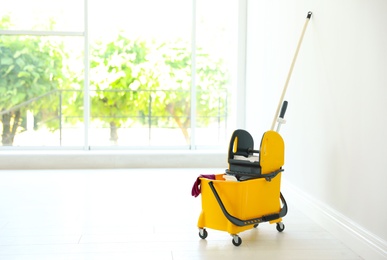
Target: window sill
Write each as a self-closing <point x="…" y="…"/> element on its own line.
<point x="98" y="159"/>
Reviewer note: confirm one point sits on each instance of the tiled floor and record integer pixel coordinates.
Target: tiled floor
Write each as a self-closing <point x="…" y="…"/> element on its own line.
<point x="136" y="214"/>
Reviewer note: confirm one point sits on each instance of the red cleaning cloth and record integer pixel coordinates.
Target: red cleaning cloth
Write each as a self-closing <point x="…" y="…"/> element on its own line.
<point x="196" y="187"/>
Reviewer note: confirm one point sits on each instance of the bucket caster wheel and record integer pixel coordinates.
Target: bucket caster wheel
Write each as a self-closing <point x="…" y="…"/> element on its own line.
<point x="236" y="240"/>
<point x="280" y="226"/>
<point x="203" y="233"/>
<point x="256" y="225"/>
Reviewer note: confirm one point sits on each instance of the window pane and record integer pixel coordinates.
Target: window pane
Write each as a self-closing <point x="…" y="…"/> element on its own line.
<point x="140" y="73"/>
<point x="217" y="35"/>
<point x="140" y="81"/>
<point x="38" y="104"/>
<point x="42" y="15"/>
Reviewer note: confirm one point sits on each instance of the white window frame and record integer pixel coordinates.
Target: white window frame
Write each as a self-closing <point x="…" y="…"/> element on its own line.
<point x="238" y="96"/>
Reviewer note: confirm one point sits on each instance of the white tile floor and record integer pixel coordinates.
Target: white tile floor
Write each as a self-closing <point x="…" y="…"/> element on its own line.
<point x="136" y="214"/>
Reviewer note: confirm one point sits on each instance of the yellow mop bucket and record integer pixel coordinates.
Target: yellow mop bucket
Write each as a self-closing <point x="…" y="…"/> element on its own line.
<point x="243" y="204"/>
<point x="253" y="196"/>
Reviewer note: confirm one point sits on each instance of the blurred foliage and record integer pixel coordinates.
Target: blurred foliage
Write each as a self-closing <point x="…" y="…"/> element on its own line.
<point x="132" y="81"/>
<point x="30" y="68"/>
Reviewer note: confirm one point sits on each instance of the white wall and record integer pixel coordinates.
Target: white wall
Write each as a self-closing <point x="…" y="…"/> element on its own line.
<point x="336" y="128"/>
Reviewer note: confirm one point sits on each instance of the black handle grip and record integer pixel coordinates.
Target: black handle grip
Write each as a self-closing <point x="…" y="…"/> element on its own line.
<point x="309" y="15"/>
<point x="241" y="223"/>
<point x="283" y="109"/>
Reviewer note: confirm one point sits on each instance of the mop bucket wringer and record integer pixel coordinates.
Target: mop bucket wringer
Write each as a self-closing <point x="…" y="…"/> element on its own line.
<point x="254" y="196"/>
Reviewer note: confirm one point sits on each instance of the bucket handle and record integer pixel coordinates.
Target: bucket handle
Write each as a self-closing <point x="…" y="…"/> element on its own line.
<point x="239" y="222"/>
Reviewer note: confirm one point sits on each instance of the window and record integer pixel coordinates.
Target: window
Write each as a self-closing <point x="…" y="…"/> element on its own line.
<point x="108" y="74"/>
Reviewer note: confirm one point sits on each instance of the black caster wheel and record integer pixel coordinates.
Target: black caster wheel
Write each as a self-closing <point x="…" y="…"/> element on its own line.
<point x="256" y="225"/>
<point x="280" y="226"/>
<point x="203" y="233"/>
<point x="236" y="240"/>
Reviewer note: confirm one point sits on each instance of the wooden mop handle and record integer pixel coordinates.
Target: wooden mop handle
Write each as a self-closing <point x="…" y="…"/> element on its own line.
<point x="291" y="70"/>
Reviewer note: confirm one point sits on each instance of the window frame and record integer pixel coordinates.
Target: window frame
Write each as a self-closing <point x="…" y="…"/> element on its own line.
<point x="238" y="95"/>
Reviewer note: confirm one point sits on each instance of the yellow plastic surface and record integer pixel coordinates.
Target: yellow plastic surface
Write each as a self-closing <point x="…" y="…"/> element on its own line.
<point x="244" y="200"/>
<point x="271" y="152"/>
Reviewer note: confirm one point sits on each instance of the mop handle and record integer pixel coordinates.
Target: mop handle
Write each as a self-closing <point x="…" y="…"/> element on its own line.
<point x="291" y="69"/>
